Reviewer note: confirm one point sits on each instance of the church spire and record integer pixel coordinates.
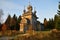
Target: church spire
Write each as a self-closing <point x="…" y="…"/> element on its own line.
<point x="29" y="7"/>
<point x="34" y="10"/>
<point x="29" y="3"/>
<point x="24" y="10"/>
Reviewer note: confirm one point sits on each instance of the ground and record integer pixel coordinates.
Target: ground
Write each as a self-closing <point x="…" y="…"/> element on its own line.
<point x="35" y="35"/>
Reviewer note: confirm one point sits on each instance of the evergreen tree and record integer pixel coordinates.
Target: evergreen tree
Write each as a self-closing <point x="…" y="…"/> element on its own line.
<point x="8" y="20"/>
<point x="18" y="22"/>
<point x="15" y="17"/>
<point x="45" y="23"/>
<point x="58" y="23"/>
<point x="13" y="22"/>
<point x="51" y="24"/>
<point x="19" y="19"/>
<point x="57" y="18"/>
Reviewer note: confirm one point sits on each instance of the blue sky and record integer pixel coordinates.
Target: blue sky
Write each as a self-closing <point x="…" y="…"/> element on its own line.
<point x="45" y="8"/>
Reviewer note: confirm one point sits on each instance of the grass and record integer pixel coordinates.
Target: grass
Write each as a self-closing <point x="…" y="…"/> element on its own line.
<point x="38" y="35"/>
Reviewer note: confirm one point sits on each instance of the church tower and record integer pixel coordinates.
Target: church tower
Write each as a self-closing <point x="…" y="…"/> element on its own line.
<point x="29" y="19"/>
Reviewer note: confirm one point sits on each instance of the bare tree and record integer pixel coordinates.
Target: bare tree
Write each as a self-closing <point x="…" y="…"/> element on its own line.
<point x="1" y="13"/>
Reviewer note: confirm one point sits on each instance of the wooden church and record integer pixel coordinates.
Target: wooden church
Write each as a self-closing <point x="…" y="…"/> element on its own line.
<point x="29" y="19"/>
